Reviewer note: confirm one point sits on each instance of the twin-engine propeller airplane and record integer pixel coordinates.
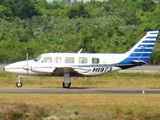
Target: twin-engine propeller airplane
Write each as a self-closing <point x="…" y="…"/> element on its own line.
<point x="84" y="64"/>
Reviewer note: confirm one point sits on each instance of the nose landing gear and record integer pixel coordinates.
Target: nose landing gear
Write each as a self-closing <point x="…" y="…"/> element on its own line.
<point x="19" y="83"/>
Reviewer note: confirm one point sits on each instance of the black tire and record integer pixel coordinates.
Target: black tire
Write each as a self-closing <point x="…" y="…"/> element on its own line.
<point x="19" y="84"/>
<point x="66" y="85"/>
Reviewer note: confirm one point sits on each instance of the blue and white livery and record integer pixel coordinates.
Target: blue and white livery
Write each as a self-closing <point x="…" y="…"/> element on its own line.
<point x="84" y="64"/>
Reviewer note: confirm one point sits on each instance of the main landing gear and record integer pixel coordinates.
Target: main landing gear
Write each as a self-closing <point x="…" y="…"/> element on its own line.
<point x="19" y="83"/>
<point x="67" y="81"/>
<point x="66" y="85"/>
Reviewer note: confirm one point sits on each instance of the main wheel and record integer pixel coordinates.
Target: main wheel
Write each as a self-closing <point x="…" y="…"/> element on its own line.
<point x="66" y="85"/>
<point x="19" y="84"/>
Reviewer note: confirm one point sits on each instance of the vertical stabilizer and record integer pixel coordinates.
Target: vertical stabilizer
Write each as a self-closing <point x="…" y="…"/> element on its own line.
<point x="141" y="52"/>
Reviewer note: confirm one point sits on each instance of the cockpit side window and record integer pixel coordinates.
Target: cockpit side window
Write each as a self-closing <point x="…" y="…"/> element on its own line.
<point x="46" y="60"/>
<point x="37" y="58"/>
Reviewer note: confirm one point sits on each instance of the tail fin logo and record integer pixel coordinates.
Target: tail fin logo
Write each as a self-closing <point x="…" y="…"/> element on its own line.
<point x="142" y="47"/>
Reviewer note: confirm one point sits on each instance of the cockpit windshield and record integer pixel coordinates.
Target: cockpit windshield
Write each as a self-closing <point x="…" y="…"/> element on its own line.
<point x="37" y="58"/>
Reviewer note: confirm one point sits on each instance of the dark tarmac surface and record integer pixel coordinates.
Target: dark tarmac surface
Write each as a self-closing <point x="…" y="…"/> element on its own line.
<point x="80" y="90"/>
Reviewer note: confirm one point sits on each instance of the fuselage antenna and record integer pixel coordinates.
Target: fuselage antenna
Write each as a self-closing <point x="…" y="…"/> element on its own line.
<point x="80" y="50"/>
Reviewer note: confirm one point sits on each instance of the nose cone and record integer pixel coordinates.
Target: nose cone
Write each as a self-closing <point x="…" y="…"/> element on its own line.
<point x="14" y="67"/>
<point x="18" y="67"/>
<point x="9" y="68"/>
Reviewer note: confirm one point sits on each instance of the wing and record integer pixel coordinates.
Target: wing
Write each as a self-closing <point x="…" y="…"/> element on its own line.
<point x="60" y="70"/>
<point x="43" y="69"/>
<point x="74" y="71"/>
<point x="49" y="68"/>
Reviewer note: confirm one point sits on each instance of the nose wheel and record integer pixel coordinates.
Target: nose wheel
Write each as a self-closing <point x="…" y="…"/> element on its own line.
<point x="19" y="83"/>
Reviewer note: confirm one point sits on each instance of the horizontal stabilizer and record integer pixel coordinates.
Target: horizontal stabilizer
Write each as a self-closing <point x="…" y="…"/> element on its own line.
<point x="138" y="62"/>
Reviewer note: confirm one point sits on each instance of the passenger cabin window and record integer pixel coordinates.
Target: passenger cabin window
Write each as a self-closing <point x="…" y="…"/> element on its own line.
<point x="95" y="60"/>
<point x="46" y="60"/>
<point x="82" y="60"/>
<point x="57" y="60"/>
<point x="69" y="60"/>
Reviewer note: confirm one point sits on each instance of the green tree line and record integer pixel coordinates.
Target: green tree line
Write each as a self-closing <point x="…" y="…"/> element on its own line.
<point x="35" y="26"/>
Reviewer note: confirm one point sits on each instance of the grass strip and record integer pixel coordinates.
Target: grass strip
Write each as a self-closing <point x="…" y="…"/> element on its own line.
<point x="79" y="107"/>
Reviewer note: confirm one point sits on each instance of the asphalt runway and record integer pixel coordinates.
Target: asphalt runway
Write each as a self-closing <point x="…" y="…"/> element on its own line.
<point x="79" y="91"/>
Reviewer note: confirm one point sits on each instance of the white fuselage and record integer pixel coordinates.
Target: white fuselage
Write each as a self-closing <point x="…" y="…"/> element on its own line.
<point x="82" y="63"/>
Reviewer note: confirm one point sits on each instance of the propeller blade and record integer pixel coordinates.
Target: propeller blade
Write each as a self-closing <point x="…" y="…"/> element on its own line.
<point x="27" y="63"/>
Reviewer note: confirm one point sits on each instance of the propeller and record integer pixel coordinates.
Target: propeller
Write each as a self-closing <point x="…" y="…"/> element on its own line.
<point x="27" y="64"/>
<point x="26" y="67"/>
